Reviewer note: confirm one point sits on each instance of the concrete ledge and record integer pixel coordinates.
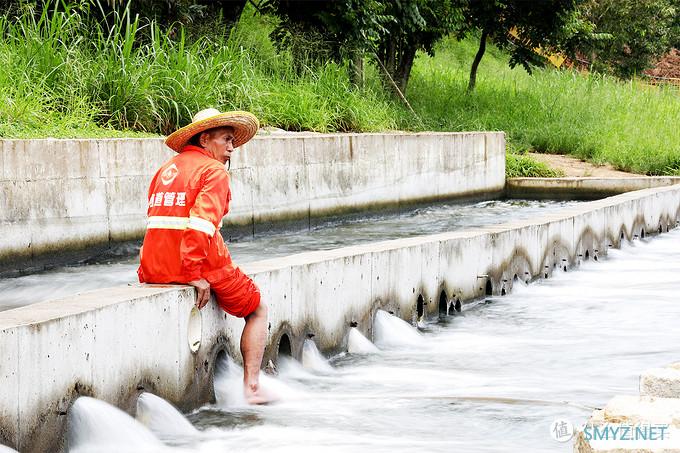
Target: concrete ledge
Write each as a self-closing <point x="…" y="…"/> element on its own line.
<point x="661" y="382"/>
<point x="627" y="412"/>
<point x="65" y="196"/>
<point x="581" y="188"/>
<point x="112" y="343"/>
<point x="658" y="404"/>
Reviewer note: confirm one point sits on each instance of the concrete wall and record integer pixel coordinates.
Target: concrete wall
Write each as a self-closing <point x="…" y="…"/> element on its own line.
<point x="579" y="188"/>
<point x="68" y="195"/>
<point x="113" y="343"/>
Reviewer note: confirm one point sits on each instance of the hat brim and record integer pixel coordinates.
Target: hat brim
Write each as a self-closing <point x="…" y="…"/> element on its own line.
<point x="245" y="126"/>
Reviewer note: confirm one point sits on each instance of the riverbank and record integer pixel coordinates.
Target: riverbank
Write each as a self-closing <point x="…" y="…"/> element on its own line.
<point x="57" y="84"/>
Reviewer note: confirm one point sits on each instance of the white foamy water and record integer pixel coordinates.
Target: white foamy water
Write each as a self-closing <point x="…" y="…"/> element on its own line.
<point x="163" y="419"/>
<point x="359" y="344"/>
<point x="229" y="386"/>
<point x="489" y="379"/>
<point x="96" y="426"/>
<point x="4" y="449"/>
<point x="392" y="332"/>
<point x="312" y="358"/>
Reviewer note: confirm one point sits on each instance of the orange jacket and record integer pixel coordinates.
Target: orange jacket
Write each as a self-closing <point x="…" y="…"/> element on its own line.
<point x="188" y="197"/>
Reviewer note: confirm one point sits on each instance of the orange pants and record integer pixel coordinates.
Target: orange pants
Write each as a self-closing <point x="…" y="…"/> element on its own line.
<point x="237" y="294"/>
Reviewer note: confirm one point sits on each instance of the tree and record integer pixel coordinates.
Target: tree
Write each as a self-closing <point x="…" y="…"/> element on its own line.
<point x="325" y="30"/>
<point x="195" y="13"/>
<point x="391" y="31"/>
<point x="518" y="25"/>
<point x="187" y="12"/>
<point x="416" y="25"/>
<point x="639" y="32"/>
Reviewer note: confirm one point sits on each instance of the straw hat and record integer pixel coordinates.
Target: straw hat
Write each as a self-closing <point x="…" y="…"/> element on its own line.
<point x="245" y="126"/>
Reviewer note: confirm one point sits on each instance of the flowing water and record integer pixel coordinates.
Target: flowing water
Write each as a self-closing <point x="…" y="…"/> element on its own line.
<point x="121" y="270"/>
<point x="489" y="379"/>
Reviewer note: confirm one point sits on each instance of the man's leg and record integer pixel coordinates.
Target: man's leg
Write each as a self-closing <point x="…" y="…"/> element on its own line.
<point x="253" y="341"/>
<point x="239" y="296"/>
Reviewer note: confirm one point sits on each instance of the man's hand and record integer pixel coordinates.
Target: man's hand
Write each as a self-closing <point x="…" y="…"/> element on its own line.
<point x="202" y="292"/>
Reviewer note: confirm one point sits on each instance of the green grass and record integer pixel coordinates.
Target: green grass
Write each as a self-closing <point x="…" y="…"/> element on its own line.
<point x="64" y="77"/>
<point x="521" y="166"/>
<point x="628" y="124"/>
<point x="137" y="79"/>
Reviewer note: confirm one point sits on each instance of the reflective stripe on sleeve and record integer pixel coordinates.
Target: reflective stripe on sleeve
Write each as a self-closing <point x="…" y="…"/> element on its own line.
<point x="206" y="226"/>
<point x="167" y="223"/>
<point x="181" y="223"/>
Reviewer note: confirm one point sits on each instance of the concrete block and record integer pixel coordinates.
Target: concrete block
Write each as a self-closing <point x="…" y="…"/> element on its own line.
<point x="630" y="411"/>
<point x="126" y="202"/>
<point x="18" y="203"/>
<point x="642" y="409"/>
<point x="242" y="184"/>
<point x="414" y="163"/>
<point x="431" y="282"/>
<point x="325" y="300"/>
<point x="283" y="193"/>
<point x="328" y="150"/>
<point x="270" y="152"/>
<point x="397" y="278"/>
<point x="73" y="214"/>
<point x="9" y="383"/>
<point x="35" y="160"/>
<point x="15" y="241"/>
<point x="68" y="234"/>
<point x="514" y="252"/>
<point x="5" y="147"/>
<point x="53" y="199"/>
<point x="559" y="252"/>
<point x="369" y="175"/>
<point x="133" y="157"/>
<point x="331" y="190"/>
<point x="126" y="333"/>
<point x="661" y="382"/>
<point x="53" y="367"/>
<point x="589" y="239"/>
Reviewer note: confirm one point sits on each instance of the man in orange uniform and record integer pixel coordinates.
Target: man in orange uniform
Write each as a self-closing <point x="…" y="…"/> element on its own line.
<point x="188" y="197"/>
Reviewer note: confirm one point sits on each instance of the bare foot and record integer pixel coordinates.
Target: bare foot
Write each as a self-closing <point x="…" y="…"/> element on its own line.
<point x="255" y="395"/>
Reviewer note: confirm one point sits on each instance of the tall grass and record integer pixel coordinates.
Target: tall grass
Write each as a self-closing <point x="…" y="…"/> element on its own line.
<point x="631" y="125"/>
<point x="67" y="75"/>
<point x="64" y="75"/>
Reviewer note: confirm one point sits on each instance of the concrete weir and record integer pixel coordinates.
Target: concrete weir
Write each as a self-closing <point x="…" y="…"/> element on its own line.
<point x="74" y="197"/>
<point x="581" y="188"/>
<point x="113" y="344"/>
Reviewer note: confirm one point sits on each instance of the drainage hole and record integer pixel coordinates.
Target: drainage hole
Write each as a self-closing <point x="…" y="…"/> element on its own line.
<point x="443" y="304"/>
<point x="284" y="346"/>
<point x="420" y="306"/>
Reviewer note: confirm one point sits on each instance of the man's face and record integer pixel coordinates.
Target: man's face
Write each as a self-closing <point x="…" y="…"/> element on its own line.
<point x="219" y="142"/>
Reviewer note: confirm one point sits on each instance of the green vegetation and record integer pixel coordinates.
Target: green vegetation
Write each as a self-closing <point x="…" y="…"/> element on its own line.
<point x="633" y="34"/>
<point x="138" y="78"/>
<point x="142" y="80"/>
<point x="631" y="125"/>
<point x="521" y="166"/>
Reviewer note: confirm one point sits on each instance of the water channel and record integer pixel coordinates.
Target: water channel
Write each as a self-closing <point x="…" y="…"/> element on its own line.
<point x="110" y="270"/>
<point x="489" y="379"/>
